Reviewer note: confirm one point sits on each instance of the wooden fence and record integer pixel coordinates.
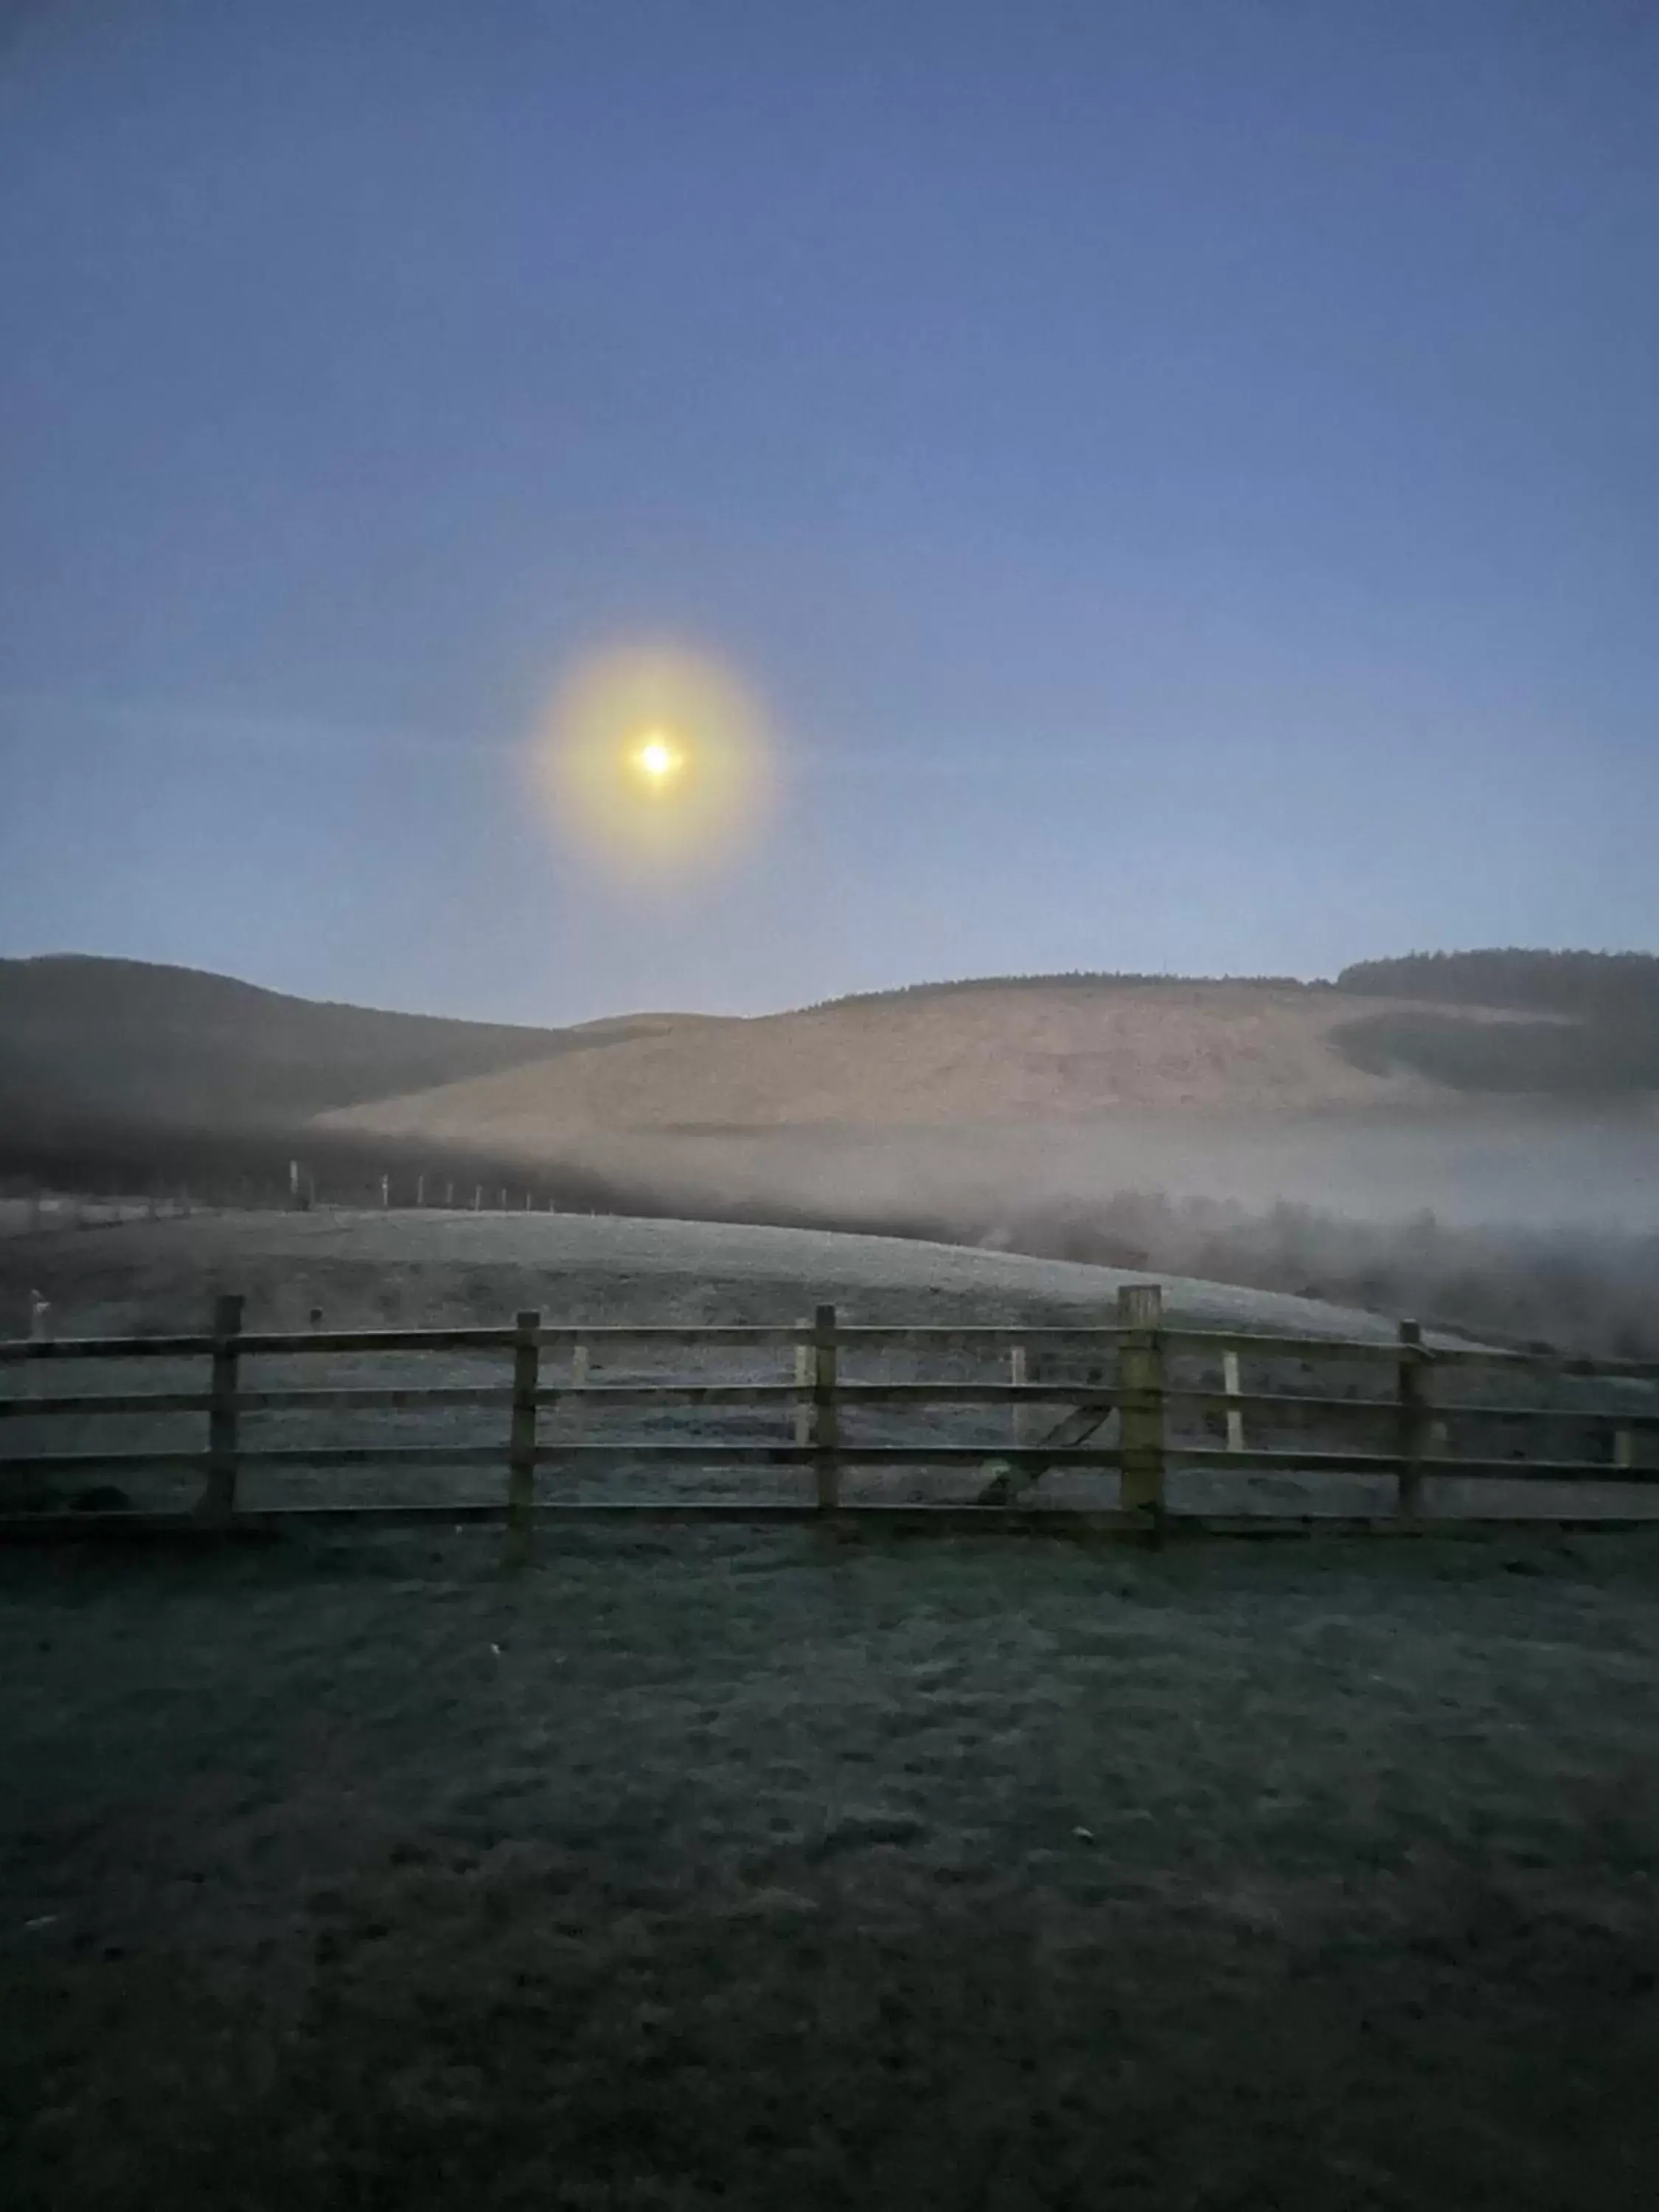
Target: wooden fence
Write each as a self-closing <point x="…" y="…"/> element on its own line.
<point x="1410" y="1427"/>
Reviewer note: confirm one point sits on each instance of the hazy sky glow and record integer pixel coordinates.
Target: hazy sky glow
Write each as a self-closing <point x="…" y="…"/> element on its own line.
<point x="1182" y="478"/>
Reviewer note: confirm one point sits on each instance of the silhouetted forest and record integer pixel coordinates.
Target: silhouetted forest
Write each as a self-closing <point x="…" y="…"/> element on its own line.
<point x="1593" y="986"/>
<point x="1604" y="1038"/>
<point x="1080" y="979"/>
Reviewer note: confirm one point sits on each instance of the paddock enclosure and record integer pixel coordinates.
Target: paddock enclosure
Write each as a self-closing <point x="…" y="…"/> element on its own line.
<point x="1131" y="1427"/>
<point x="694" y="1864"/>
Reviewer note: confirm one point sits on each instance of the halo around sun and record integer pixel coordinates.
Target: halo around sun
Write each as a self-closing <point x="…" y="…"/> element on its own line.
<point x="653" y="759"/>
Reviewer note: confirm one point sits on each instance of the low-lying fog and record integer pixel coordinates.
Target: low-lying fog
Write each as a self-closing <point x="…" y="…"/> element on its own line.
<point x="1515" y="1168"/>
<point x="1531" y="1223"/>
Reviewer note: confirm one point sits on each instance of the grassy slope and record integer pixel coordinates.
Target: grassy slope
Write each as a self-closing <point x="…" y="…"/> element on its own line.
<point x="1001" y="1053"/>
<point x="127" y="1040"/>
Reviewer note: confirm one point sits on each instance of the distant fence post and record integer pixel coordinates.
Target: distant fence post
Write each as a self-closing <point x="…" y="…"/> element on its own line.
<point x="826" y="1419"/>
<point x="386" y="1190"/>
<point x="1141" y="1398"/>
<point x="1235" y="1416"/>
<point x="219" y="1499"/>
<point x="420" y="1190"/>
<point x="477" y="1197"/>
<point x="522" y="1447"/>
<point x="1415" y="1426"/>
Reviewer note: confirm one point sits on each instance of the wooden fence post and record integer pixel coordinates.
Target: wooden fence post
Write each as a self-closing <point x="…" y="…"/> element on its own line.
<point x="1235" y="1417"/>
<point x="521" y="1447"/>
<point x="803" y="1381"/>
<point x="219" y="1499"/>
<point x="1624" y="1453"/>
<point x="420" y="1190"/>
<point x="477" y="1197"/>
<point x="1414" y="1422"/>
<point x="1141" y="1398"/>
<point x="386" y="1191"/>
<point x="826" y="1420"/>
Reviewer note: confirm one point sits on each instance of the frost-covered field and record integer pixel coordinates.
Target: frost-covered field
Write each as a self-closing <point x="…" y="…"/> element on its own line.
<point x="702" y="1868"/>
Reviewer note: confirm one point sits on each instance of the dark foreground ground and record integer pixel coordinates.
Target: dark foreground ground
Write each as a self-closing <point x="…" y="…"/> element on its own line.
<point x="700" y="1869"/>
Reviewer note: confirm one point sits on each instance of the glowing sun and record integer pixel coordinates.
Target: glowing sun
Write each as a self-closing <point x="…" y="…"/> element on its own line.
<point x="658" y="757"/>
<point x="655" y="759"/>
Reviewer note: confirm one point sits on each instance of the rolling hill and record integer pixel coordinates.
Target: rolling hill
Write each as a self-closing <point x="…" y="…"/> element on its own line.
<point x="1001" y="1053"/>
<point x="130" y="1042"/>
<point x="117" y="1045"/>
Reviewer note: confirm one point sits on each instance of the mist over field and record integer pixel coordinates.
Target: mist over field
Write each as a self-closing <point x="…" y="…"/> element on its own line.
<point x="1471" y="1139"/>
<point x="1537" y="1225"/>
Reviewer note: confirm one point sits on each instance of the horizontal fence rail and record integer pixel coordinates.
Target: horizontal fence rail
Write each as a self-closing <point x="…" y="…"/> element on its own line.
<point x="1128" y="1414"/>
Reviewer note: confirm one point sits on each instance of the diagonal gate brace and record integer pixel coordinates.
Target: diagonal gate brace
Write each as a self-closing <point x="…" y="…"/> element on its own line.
<point x="1006" y="1481"/>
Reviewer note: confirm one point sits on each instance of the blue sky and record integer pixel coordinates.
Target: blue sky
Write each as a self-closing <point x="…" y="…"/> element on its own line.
<point x="1184" y="479"/>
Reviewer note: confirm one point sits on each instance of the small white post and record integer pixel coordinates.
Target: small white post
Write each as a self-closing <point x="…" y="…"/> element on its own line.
<point x="449" y="1191"/>
<point x="1235" y="1416"/>
<point x="386" y="1190"/>
<point x="39" y="1330"/>
<point x="529" y="1201"/>
<point x="501" y="1200"/>
<point x="803" y="1381"/>
<point x="477" y="1197"/>
<point x="580" y="1369"/>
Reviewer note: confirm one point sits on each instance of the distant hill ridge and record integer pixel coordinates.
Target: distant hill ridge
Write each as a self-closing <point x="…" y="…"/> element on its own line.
<point x="133" y="1043"/>
<point x="132" y="1039"/>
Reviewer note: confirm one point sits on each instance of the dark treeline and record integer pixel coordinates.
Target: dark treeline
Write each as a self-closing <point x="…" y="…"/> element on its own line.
<point x="1604" y="1037"/>
<point x="1080" y="979"/>
<point x="1581" y="1060"/>
<point x="1593" y="986"/>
